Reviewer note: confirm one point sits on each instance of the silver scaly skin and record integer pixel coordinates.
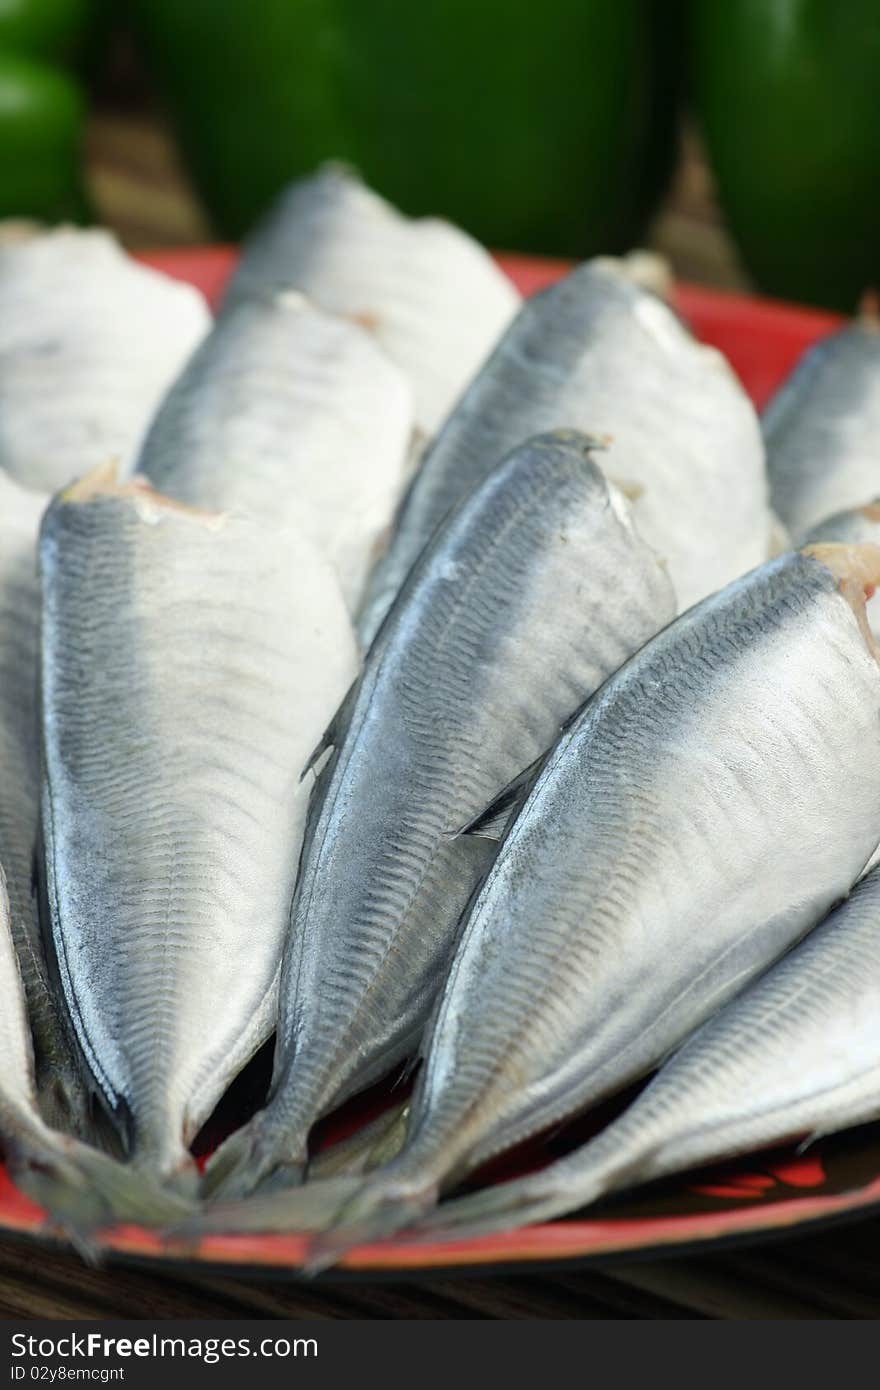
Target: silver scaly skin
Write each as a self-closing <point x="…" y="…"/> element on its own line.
<point x="822" y="426"/>
<point x="287" y="413"/>
<point x="796" y="1054"/>
<point x="596" y="352"/>
<point x="432" y="296"/>
<point x="706" y="809"/>
<point x="89" y="343"/>
<point x="189" y="662"/>
<point x="535" y="590"/>
<point x="81" y="1188"/>
<point x="62" y="1093"/>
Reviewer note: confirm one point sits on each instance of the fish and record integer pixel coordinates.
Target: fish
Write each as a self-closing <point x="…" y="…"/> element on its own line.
<point x="432" y="296"/>
<point x="701" y="813"/>
<point x="857" y="526"/>
<point x="534" y="591"/>
<point x="287" y="411"/>
<point x="189" y="661"/>
<point x="821" y="428"/>
<point x="599" y="353"/>
<point x="89" y="342"/>
<point x="81" y="1188"/>
<point x="61" y="1092"/>
<point x="795" y="1056"/>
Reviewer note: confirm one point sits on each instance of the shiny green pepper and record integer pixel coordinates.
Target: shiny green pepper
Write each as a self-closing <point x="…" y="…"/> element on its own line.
<point x="41" y="117"/>
<point x="788" y="92"/>
<point x="547" y="129"/>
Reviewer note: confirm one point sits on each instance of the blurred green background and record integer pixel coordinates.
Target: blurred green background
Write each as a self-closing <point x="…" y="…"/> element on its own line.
<point x="739" y="136"/>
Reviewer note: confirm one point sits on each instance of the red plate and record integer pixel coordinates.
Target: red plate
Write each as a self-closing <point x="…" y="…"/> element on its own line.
<point x="838" y="1178"/>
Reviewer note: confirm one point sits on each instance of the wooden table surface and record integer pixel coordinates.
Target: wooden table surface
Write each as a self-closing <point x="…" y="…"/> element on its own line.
<point x="141" y="190"/>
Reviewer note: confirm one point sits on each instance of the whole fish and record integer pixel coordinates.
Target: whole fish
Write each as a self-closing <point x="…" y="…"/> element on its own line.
<point x="81" y="1187"/>
<point x="433" y="297"/>
<point x="62" y="1094"/>
<point x="189" y="662"/>
<point x="822" y="425"/>
<point x="796" y="1054"/>
<point x="854" y="527"/>
<point x="286" y="412"/>
<point x="531" y="594"/>
<point x="597" y="352"/>
<point x="702" y="813"/>
<point x="89" y="342"/>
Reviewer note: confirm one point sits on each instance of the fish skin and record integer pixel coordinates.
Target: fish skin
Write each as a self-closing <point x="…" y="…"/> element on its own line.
<point x="189" y="661"/>
<point x="285" y="413"/>
<point x="433" y="297"/>
<point x="62" y="1094"/>
<point x="797" y="1053"/>
<point x="821" y="428"/>
<point x="597" y="352"/>
<point x="468" y="680"/>
<point x="89" y="342"/>
<point x="718" y="759"/>
<point x="81" y="1188"/>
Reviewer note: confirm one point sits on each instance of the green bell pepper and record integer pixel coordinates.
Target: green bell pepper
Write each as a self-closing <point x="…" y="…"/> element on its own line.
<point x="42" y="108"/>
<point x="52" y="29"/>
<point x="547" y="129"/>
<point x="788" y="93"/>
<point x="41" y="117"/>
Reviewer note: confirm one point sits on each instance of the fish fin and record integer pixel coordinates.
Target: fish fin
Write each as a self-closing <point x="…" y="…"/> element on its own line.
<point x="369" y="1147"/>
<point x="310" y="1207"/>
<point x="494" y="822"/>
<point x="380" y="1208"/>
<point x="521" y="1202"/>
<point x="84" y="1190"/>
<point x="244" y="1162"/>
<point x="809" y="1141"/>
<point x="333" y="732"/>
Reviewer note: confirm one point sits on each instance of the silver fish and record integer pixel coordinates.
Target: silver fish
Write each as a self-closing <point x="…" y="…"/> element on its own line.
<point x="80" y="1187"/>
<point x="796" y="1054"/>
<point x="433" y="297"/>
<point x="288" y="413"/>
<point x="535" y="590"/>
<point x="62" y="1094"/>
<point x="189" y="663"/>
<point x="89" y="342"/>
<point x="598" y="353"/>
<point x="702" y="813"/>
<point x="821" y="428"/>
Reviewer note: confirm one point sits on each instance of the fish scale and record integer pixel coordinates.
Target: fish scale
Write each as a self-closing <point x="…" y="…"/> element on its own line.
<point x="612" y="924"/>
<point x="170" y="850"/>
<point x="288" y="412"/>
<point x="599" y="353"/>
<point x="432" y="296"/>
<point x="62" y="1094"/>
<point x="89" y="342"/>
<point x="467" y="681"/>
<point x="821" y="429"/>
<point x="797" y="1053"/>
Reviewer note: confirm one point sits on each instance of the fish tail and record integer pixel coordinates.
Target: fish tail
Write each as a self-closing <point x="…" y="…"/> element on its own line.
<point x="565" y="1186"/>
<point x="371" y="1146"/>
<point x="246" y="1161"/>
<point x="310" y="1207"/>
<point x="522" y="1202"/>
<point x="84" y="1190"/>
<point x="384" y="1205"/>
